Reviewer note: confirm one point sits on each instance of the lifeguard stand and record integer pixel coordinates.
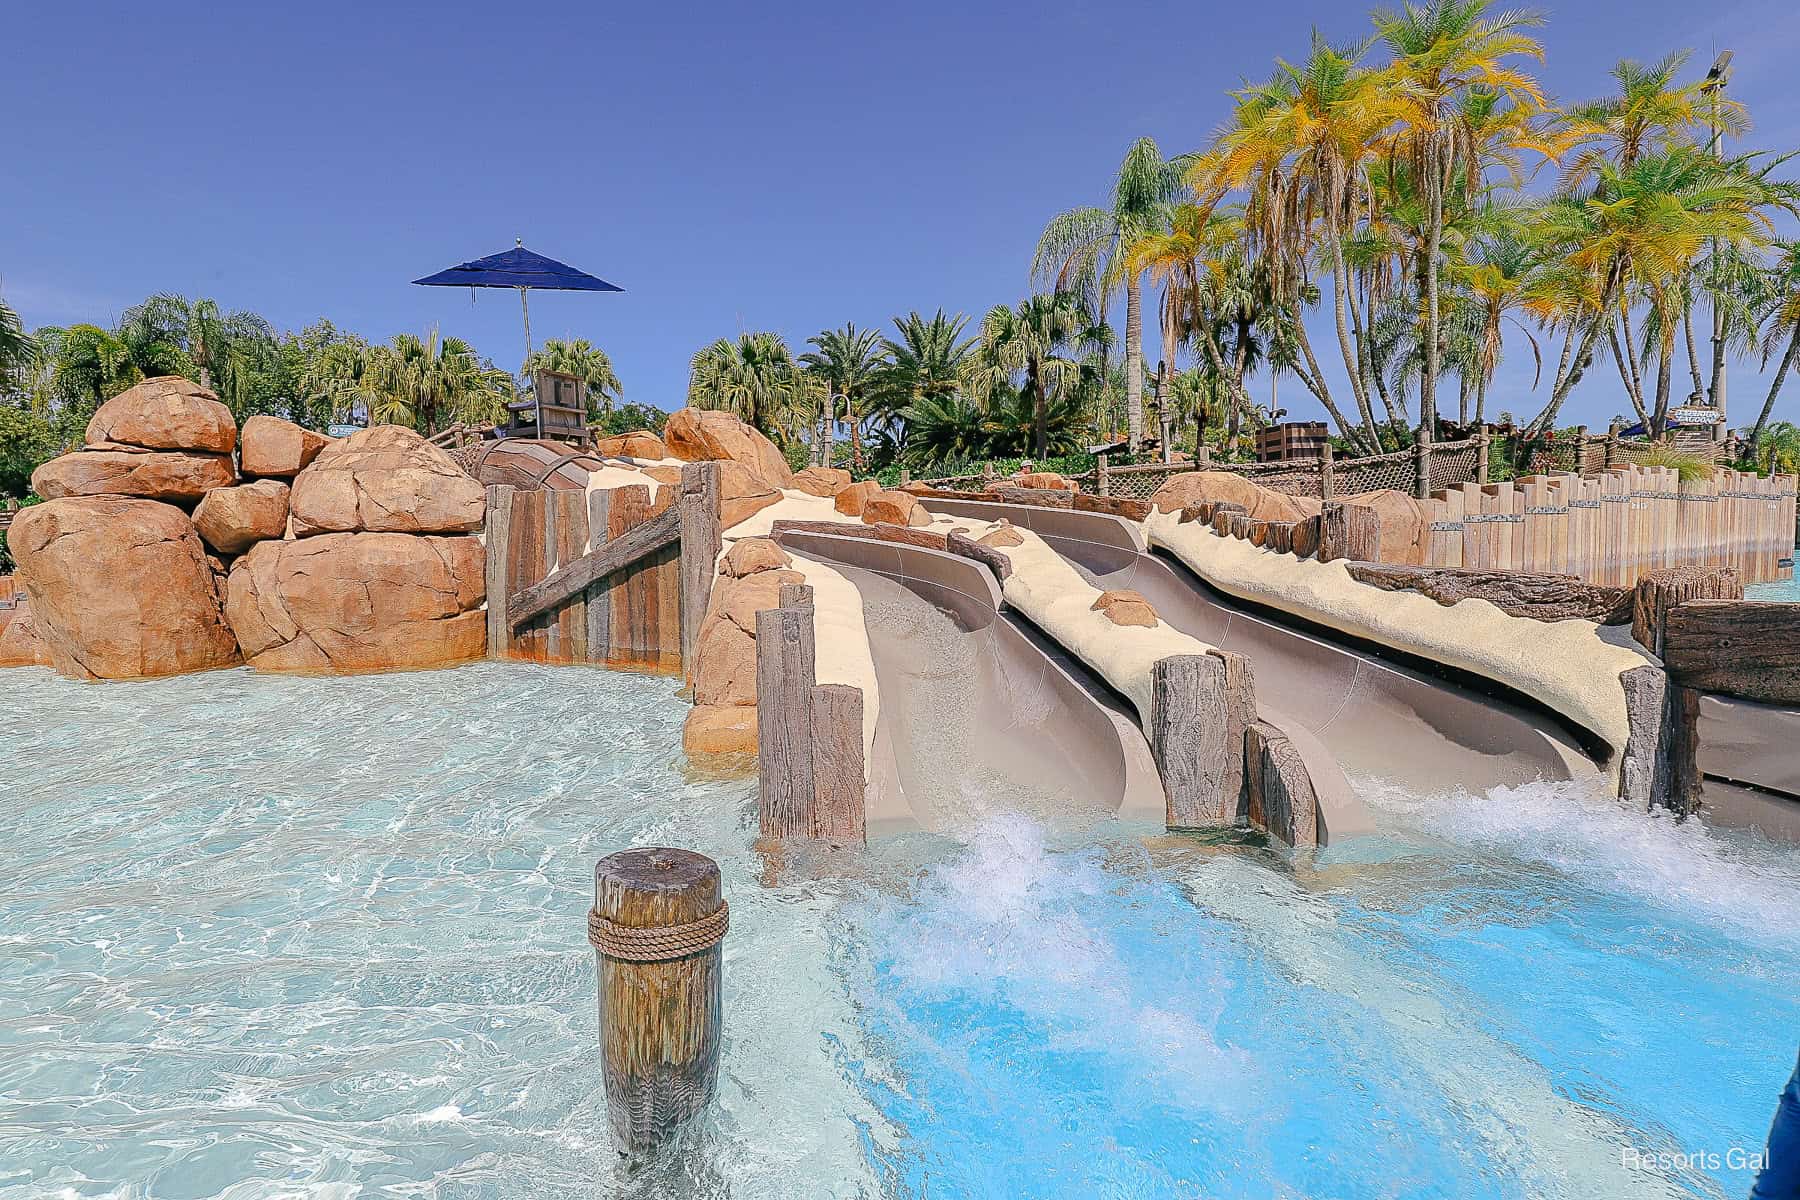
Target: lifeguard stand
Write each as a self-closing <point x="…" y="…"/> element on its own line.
<point x="556" y="410"/>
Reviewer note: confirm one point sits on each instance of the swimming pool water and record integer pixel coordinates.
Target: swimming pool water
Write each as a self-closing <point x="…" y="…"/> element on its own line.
<point x="271" y="937"/>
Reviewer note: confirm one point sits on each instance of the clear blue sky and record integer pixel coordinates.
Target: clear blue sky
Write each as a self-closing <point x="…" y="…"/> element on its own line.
<point x="732" y="166"/>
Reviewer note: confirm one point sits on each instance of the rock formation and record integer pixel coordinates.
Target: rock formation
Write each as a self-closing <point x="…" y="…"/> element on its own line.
<point x="385" y="480"/>
<point x="724" y="669"/>
<point x="120" y="588"/>
<point x="1123" y="606"/>
<point x="359" y="602"/>
<point x="850" y="500"/>
<point x="701" y="435"/>
<point x="165" y="413"/>
<point x="820" y="481"/>
<point x="20" y="645"/>
<point x="894" y="507"/>
<point x="232" y="519"/>
<point x="273" y="448"/>
<point x="639" y="443"/>
<point x="1260" y="503"/>
<point x="174" y="476"/>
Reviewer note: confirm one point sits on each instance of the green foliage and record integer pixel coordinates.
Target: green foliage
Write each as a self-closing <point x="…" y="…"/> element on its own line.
<point x="755" y="379"/>
<point x="629" y="418"/>
<point x="583" y="361"/>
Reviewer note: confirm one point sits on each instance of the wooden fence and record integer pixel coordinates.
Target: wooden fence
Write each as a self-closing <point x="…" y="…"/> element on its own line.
<point x="1611" y="527"/>
<point x="609" y="576"/>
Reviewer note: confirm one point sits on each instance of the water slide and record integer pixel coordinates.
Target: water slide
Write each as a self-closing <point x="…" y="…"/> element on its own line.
<point x="1378" y="716"/>
<point x="977" y="710"/>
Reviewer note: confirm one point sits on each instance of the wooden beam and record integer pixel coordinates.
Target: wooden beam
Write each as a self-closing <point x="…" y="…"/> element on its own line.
<point x="641" y="541"/>
<point x="701" y="538"/>
<point x="785" y="675"/>
<point x="1746" y="648"/>
<point x="1521" y="594"/>
<point x="499" y="531"/>
<point x="1661" y="590"/>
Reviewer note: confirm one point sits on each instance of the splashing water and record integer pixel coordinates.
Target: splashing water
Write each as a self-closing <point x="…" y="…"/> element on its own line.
<point x="323" y="937"/>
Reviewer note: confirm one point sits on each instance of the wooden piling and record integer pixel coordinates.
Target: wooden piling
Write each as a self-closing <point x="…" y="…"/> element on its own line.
<point x="657" y="927"/>
<point x="1198" y="710"/>
<point x="701" y="537"/>
<point x="809" y="737"/>
<point x="1282" y="802"/>
<point x="1659" y="591"/>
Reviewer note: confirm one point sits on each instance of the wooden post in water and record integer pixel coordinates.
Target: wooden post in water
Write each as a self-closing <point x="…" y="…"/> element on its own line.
<point x="499" y="530"/>
<point x="657" y="925"/>
<point x="700" y="540"/>
<point x="811" y="772"/>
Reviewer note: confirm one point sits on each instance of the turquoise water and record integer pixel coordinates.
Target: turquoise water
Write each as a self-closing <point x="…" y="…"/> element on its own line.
<point x="269" y="937"/>
<point x="1786" y="589"/>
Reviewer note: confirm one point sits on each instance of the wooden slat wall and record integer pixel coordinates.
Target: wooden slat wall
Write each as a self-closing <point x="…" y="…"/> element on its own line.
<point x="1611" y="527"/>
<point x="635" y="620"/>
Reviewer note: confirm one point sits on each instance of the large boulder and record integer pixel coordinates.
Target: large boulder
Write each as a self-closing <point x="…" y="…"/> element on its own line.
<point x="386" y="480"/>
<point x="851" y="500"/>
<point x="165" y="413"/>
<point x="820" y="481"/>
<point x="725" y="658"/>
<point x="748" y="556"/>
<point x="120" y="588"/>
<point x="720" y="729"/>
<point x="1193" y="487"/>
<point x="639" y="443"/>
<point x="702" y="435"/>
<point x="278" y="449"/>
<point x="742" y="493"/>
<point x="894" y="507"/>
<point x="1405" y="525"/>
<point x="232" y="519"/>
<point x="359" y="602"/>
<point x="20" y="645"/>
<point x="175" y="476"/>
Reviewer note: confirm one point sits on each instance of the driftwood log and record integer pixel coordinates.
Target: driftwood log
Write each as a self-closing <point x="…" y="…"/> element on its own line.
<point x="1744" y="648"/>
<point x="660" y="1018"/>
<point x="1519" y="594"/>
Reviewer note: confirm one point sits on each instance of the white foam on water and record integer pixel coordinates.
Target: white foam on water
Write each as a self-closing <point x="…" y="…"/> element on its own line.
<point x="1003" y="923"/>
<point x="1737" y="882"/>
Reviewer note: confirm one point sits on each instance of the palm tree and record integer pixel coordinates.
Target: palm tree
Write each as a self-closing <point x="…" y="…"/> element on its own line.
<point x="584" y="361"/>
<point x="1779" y="449"/>
<point x="1499" y="273"/>
<point x="928" y="359"/>
<point x="1033" y="340"/>
<point x="849" y="361"/>
<point x="224" y="348"/>
<point x="18" y="350"/>
<point x="943" y="428"/>
<point x="1442" y="50"/>
<point x="1085" y="251"/>
<point x="1780" y="313"/>
<point x="754" y="378"/>
<point x="422" y="381"/>
<point x="337" y="380"/>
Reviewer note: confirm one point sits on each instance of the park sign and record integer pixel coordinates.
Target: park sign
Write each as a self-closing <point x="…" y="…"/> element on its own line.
<point x="338" y="431"/>
<point x="1695" y="414"/>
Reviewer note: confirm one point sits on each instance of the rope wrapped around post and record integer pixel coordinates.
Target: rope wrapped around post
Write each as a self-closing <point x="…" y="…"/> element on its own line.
<point x="661" y="943"/>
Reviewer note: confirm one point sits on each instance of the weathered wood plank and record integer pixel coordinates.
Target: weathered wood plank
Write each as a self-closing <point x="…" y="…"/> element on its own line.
<point x="839" y="804"/>
<point x="550" y="618"/>
<point x="701" y="538"/>
<point x="525" y="553"/>
<point x="785" y="675"/>
<point x="1306" y="537"/>
<point x="1540" y="597"/>
<point x="795" y="595"/>
<point x="599" y="594"/>
<point x="968" y="547"/>
<point x="639" y="542"/>
<point x="498" y="535"/>
<point x="571" y="545"/>
<point x="632" y="593"/>
<point x="1745" y="648"/>
<point x="930" y="539"/>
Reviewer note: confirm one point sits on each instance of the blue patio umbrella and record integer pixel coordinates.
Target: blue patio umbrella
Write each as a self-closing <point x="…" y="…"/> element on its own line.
<point x="523" y="269"/>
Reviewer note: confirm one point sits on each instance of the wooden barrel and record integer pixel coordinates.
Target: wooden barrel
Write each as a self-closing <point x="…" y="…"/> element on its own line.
<point x="657" y="928"/>
<point x="529" y="463"/>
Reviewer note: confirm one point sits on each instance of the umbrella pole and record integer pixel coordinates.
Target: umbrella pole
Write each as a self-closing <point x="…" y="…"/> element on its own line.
<point x="525" y="305"/>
